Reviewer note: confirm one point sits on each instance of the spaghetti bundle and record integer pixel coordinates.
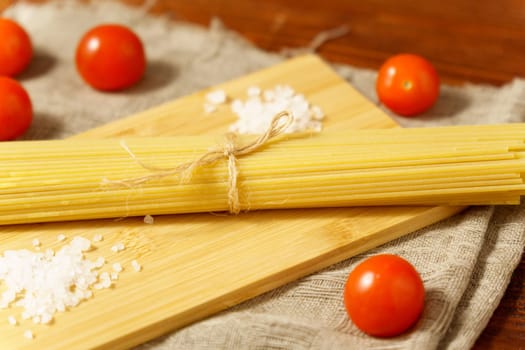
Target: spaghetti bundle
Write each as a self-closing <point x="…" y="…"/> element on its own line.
<point x="75" y="179"/>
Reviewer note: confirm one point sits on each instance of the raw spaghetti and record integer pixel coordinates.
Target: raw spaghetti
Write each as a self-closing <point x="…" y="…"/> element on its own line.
<point x="85" y="179"/>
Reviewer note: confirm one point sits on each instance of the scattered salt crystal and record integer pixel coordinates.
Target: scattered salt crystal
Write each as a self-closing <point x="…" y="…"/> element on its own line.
<point x="12" y="320"/>
<point x="117" y="267"/>
<point x="61" y="237"/>
<point x="46" y="319"/>
<point x="36" y="242"/>
<point x="256" y="113"/>
<point x="216" y="97"/>
<point x="74" y="301"/>
<point x="105" y="280"/>
<point x="317" y="113"/>
<point x="28" y="334"/>
<point x="284" y="91"/>
<point x="136" y="266"/>
<point x="45" y="283"/>
<point x="118" y="247"/>
<point x="97" y="238"/>
<point x="148" y="219"/>
<point x="99" y="262"/>
<point x="81" y="243"/>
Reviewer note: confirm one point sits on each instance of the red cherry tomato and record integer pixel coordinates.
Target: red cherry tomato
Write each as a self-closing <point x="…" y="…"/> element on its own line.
<point x="110" y="57"/>
<point x="15" y="48"/>
<point x="407" y="84"/>
<point x="384" y="295"/>
<point x="16" y="111"/>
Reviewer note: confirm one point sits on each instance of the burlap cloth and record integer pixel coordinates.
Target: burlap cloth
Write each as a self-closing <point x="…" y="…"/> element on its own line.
<point x="466" y="261"/>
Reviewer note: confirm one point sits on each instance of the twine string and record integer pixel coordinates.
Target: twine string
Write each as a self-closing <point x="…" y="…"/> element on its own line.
<point x="230" y="151"/>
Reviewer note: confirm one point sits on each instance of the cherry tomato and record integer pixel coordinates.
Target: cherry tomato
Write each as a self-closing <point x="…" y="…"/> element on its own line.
<point x="384" y="295"/>
<point x="110" y="57"/>
<point x="16" y="111"/>
<point x="407" y="84"/>
<point x="15" y="48"/>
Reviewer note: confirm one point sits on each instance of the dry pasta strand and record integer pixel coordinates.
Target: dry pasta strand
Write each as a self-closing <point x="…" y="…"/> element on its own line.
<point x="60" y="180"/>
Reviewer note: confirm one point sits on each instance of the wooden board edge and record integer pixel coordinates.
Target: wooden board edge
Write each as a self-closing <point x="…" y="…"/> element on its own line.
<point x="250" y="291"/>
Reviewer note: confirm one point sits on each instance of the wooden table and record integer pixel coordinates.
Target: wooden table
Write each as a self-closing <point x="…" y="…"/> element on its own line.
<point x="477" y="41"/>
<point x="480" y="41"/>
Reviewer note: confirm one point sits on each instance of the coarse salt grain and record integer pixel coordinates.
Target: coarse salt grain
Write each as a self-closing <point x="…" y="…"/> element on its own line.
<point x="107" y="283"/>
<point x="28" y="334"/>
<point x="118" y="247"/>
<point x="317" y="113"/>
<point x="136" y="266"/>
<point x="117" y="267"/>
<point x="44" y="283"/>
<point x="105" y="280"/>
<point x="148" y="219"/>
<point x="98" y="238"/>
<point x="61" y="237"/>
<point x="99" y="262"/>
<point x="12" y="320"/>
<point x="216" y="97"/>
<point x="81" y="243"/>
<point x="46" y="319"/>
<point x="256" y="113"/>
<point x="36" y="242"/>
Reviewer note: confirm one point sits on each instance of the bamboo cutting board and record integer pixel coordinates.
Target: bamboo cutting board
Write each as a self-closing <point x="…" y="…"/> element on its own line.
<point x="196" y="265"/>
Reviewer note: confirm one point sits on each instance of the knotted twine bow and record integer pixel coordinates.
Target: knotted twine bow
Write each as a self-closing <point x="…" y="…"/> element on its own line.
<point x="230" y="150"/>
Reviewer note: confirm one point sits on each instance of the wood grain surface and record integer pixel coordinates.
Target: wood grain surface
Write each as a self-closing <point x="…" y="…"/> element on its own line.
<point x="196" y="265"/>
<point x="482" y="41"/>
<point x="467" y="40"/>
